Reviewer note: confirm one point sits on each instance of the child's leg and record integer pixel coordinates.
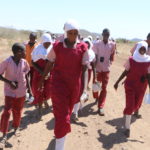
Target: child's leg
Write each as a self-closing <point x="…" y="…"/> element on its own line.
<point x="4" y="123"/>
<point x="74" y="116"/>
<point x="127" y="121"/>
<point x="127" y="125"/>
<point x="76" y="108"/>
<point x="104" y="76"/>
<point x="60" y="143"/>
<point x="18" y="104"/>
<point x="46" y="104"/>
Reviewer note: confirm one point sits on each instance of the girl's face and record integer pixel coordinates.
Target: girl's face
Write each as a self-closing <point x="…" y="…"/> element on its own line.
<point x="72" y="35"/>
<point x="46" y="45"/>
<point x="88" y="44"/>
<point x="142" y="50"/>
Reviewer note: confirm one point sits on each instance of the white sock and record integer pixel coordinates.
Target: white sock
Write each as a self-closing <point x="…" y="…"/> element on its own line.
<point x="76" y="108"/>
<point x="127" y="121"/>
<point x="60" y="143"/>
<point x="81" y="106"/>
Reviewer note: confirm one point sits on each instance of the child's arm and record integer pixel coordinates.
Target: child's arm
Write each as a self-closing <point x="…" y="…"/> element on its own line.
<point x="37" y="67"/>
<point x="85" y="77"/>
<point x="13" y="84"/>
<point x="93" y="64"/>
<point x="125" y="72"/>
<point x="28" y="85"/>
<point x="48" y="68"/>
<point x="148" y="78"/>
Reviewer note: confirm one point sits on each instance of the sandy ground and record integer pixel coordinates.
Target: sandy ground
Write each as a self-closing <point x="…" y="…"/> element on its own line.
<point x="92" y="132"/>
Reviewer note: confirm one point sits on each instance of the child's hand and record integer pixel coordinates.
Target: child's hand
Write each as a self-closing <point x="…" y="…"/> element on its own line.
<point x="13" y="85"/>
<point x="116" y="86"/>
<point x="47" y="76"/>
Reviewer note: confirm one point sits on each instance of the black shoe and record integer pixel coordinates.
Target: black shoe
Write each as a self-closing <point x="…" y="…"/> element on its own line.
<point x="74" y="118"/>
<point x="127" y="133"/>
<point x="137" y="115"/>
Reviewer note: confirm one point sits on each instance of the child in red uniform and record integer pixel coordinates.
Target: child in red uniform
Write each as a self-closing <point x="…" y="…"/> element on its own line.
<point x="39" y="60"/>
<point x="137" y="72"/>
<point x="15" y="69"/>
<point x="66" y="59"/>
<point x="91" y="67"/>
<point x="136" y="114"/>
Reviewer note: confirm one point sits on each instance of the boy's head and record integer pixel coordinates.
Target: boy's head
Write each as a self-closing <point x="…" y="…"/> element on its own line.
<point x="32" y="37"/>
<point x="18" y="50"/>
<point x="106" y="34"/>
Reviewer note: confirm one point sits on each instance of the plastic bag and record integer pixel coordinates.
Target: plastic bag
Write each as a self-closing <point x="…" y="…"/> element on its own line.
<point x="96" y="87"/>
<point x="147" y="98"/>
<point x="84" y="97"/>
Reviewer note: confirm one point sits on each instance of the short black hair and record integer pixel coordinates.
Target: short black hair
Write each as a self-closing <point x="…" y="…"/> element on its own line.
<point x="33" y="34"/>
<point x="106" y="30"/>
<point x="17" y="47"/>
<point x="148" y="36"/>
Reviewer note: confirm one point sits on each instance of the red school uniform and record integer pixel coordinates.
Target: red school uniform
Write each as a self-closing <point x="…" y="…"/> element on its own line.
<point x="65" y="83"/>
<point x="39" y="56"/>
<point x="44" y="94"/>
<point x="135" y="85"/>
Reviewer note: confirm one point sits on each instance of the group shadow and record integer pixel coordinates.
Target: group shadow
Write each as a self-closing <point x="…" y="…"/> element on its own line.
<point x="108" y="141"/>
<point x="31" y="117"/>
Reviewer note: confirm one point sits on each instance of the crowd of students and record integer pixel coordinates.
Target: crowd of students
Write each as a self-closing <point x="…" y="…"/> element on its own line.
<point x="60" y="70"/>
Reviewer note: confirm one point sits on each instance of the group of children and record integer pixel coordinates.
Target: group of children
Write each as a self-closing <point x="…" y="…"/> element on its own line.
<point x="61" y="71"/>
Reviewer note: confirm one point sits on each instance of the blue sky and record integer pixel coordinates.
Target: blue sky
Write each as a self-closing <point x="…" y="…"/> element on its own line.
<point x="124" y="18"/>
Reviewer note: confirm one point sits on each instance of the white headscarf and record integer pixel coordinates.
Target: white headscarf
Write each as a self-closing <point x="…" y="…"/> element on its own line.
<point x="90" y="37"/>
<point x="40" y="52"/>
<point x="91" y="53"/>
<point x="71" y="25"/>
<point x="137" y="56"/>
<point x="46" y="37"/>
<point x="89" y="41"/>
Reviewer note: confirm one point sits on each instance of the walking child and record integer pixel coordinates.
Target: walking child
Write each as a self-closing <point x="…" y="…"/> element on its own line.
<point x="15" y="69"/>
<point x="137" y="73"/>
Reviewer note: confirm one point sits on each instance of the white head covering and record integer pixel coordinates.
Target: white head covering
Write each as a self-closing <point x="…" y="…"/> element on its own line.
<point x="90" y="37"/>
<point x="71" y="25"/>
<point x="89" y="41"/>
<point x="91" y="53"/>
<point x="46" y="37"/>
<point x="137" y="56"/>
<point x="40" y="52"/>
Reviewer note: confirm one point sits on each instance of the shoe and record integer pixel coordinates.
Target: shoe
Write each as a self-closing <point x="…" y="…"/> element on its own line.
<point x="101" y="112"/>
<point x="17" y="132"/>
<point x="127" y="133"/>
<point x="74" y="118"/>
<point x="3" y="143"/>
<point x="30" y="100"/>
<point x="96" y="101"/>
<point x="137" y="115"/>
